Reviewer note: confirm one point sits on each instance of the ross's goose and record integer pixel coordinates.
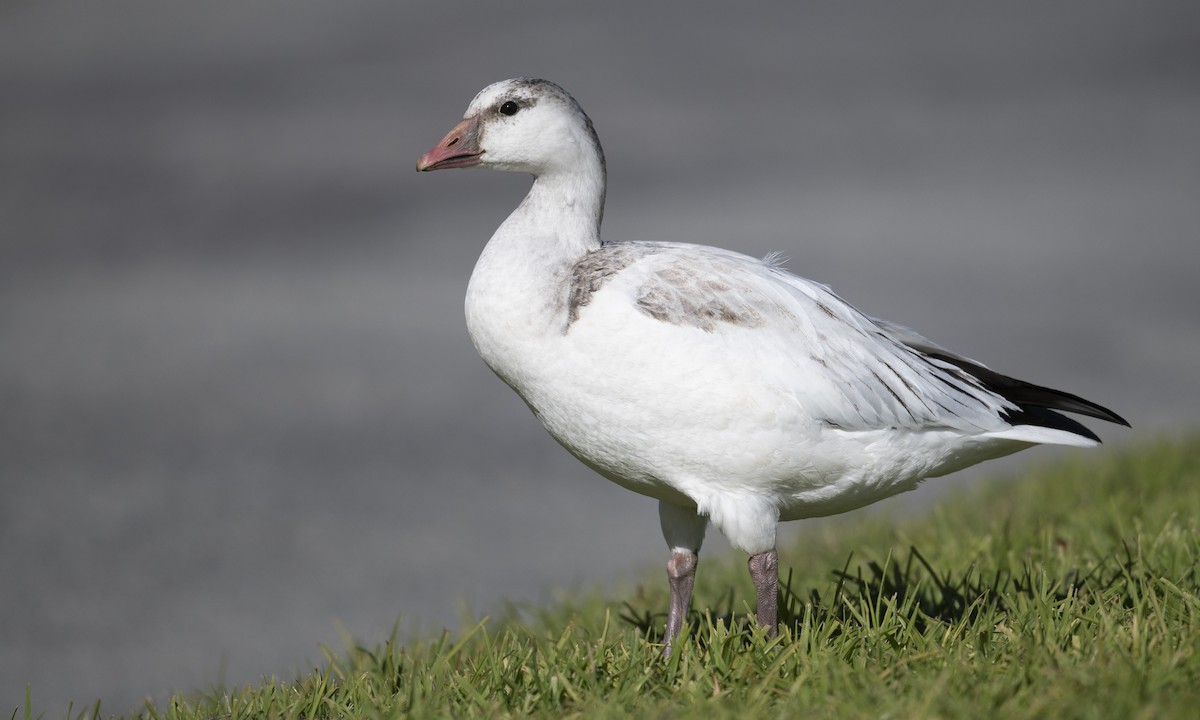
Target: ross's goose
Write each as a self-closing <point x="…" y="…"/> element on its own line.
<point x="724" y="386"/>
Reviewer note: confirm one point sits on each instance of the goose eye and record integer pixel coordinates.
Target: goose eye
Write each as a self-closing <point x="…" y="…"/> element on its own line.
<point x="509" y="108"/>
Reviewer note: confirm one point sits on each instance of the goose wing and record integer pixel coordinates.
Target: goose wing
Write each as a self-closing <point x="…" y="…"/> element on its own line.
<point x="847" y="369"/>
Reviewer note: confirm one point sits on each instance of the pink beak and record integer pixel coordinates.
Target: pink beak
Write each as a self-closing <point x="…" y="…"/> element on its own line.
<point x="460" y="148"/>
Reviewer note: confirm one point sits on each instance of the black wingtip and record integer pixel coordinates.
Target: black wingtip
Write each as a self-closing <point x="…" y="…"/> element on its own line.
<point x="1042" y="417"/>
<point x="1039" y="396"/>
<point x="1036" y="402"/>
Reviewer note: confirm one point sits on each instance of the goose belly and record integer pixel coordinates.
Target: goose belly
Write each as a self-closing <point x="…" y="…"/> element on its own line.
<point x="699" y="420"/>
<point x="671" y="423"/>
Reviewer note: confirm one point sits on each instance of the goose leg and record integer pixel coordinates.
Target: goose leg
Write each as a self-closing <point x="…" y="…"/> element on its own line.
<point x="681" y="574"/>
<point x="764" y="571"/>
<point x="683" y="529"/>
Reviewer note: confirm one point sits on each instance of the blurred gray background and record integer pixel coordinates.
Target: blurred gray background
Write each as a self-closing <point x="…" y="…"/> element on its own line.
<point x="238" y="405"/>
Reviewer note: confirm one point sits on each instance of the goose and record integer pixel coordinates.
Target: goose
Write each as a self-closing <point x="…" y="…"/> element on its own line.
<point x="734" y="392"/>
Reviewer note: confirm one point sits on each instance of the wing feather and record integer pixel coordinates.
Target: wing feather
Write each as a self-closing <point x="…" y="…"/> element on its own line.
<point x="849" y="370"/>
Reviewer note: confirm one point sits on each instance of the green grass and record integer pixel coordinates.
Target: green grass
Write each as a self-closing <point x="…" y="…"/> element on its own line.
<point x="1072" y="591"/>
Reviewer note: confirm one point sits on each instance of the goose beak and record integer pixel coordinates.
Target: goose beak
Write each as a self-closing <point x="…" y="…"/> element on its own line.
<point x="460" y="148"/>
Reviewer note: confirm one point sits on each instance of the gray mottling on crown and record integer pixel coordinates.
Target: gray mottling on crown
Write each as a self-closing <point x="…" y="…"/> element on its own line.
<point x="530" y="89"/>
<point x="526" y="91"/>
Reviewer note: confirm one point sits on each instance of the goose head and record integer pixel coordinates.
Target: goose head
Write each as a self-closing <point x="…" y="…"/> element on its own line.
<point x="521" y="124"/>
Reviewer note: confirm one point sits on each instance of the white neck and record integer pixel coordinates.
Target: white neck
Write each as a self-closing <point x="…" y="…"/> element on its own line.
<point x="567" y="198"/>
<point x="517" y="293"/>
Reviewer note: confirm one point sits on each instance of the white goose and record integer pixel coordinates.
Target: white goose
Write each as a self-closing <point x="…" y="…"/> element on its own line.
<point x="724" y="386"/>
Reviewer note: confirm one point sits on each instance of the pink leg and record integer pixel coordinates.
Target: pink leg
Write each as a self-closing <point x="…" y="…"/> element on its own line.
<point x="764" y="571"/>
<point x="681" y="573"/>
<point x="683" y="529"/>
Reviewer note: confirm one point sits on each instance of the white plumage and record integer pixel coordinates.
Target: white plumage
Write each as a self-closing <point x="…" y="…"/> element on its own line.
<point x="722" y="385"/>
